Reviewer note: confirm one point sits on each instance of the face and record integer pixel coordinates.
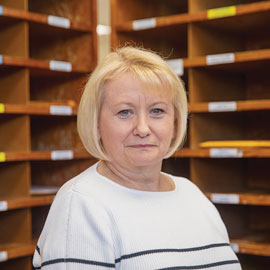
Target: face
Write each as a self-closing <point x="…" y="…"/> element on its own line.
<point x="136" y="126"/>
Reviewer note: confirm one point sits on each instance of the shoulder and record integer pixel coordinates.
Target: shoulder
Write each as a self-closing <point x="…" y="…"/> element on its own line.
<point x="197" y="201"/>
<point x="80" y="197"/>
<point x="194" y="195"/>
<point x="77" y="221"/>
<point x="85" y="175"/>
<point x="186" y="185"/>
<point x="74" y="208"/>
<point x="84" y="184"/>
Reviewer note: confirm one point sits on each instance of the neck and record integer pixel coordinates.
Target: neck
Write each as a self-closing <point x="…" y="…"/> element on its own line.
<point x="142" y="178"/>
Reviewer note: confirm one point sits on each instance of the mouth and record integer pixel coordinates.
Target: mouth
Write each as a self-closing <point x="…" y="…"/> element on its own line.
<point x="142" y="146"/>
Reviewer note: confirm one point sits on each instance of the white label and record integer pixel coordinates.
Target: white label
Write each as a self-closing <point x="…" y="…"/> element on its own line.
<point x="144" y="24"/>
<point x="1" y="10"/>
<point x="3" y="206"/>
<point x="58" y="21"/>
<point x="3" y="256"/>
<point x="176" y="65"/>
<point x="60" y="110"/>
<point x="235" y="247"/>
<point x="43" y="190"/>
<point x="62" y="155"/>
<point x="225" y="198"/>
<point x="225" y="153"/>
<point x="216" y="59"/>
<point x="222" y="106"/>
<point x="60" y="66"/>
<point x="1" y="59"/>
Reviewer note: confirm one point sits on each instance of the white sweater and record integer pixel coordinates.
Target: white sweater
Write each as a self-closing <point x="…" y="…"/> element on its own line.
<point x="95" y="223"/>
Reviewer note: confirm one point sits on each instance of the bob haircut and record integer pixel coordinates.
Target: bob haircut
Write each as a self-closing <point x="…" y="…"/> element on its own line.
<point x="147" y="67"/>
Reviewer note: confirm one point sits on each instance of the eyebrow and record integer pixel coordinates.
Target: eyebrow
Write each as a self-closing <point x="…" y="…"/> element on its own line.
<point x="131" y="104"/>
<point x="162" y="102"/>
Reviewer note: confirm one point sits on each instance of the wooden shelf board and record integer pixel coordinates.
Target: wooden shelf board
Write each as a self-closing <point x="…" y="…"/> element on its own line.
<point x="253" y="244"/>
<point x="240" y="57"/>
<point x="164" y="21"/>
<point x="248" y="105"/>
<point x="235" y="144"/>
<point x="188" y="153"/>
<point x="24" y="202"/>
<point x="248" y="197"/>
<point x="249" y="18"/>
<point x="17" y="250"/>
<point x="200" y="16"/>
<point x="253" y="7"/>
<point x="38" y="108"/>
<point x="42" y="155"/>
<point x="205" y="153"/>
<point x="40" y="18"/>
<point x="35" y="63"/>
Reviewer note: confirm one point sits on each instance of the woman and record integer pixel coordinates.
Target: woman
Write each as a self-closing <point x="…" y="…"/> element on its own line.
<point x="122" y="212"/>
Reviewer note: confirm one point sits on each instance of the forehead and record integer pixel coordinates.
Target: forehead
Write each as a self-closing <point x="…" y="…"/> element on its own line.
<point x="127" y="84"/>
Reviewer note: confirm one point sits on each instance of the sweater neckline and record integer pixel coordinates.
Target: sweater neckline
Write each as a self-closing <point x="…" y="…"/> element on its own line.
<point x="136" y="191"/>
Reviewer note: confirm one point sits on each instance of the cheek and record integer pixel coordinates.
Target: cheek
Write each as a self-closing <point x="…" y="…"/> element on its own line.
<point x="104" y="127"/>
<point x="112" y="132"/>
<point x="107" y="131"/>
<point x="168" y="127"/>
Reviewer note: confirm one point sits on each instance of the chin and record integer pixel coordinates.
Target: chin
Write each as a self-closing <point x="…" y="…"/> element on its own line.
<point x="143" y="162"/>
<point x="143" y="158"/>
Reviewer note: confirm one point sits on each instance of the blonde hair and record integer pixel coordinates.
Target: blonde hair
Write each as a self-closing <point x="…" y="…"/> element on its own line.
<point x="148" y="67"/>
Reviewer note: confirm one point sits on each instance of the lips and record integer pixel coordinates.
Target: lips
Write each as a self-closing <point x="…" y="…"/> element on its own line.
<point x="142" y="146"/>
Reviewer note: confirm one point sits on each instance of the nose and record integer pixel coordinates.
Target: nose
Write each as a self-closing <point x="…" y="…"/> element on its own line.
<point x="141" y="128"/>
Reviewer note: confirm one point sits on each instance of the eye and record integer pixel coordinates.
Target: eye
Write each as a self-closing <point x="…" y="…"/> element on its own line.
<point x="157" y="111"/>
<point x="125" y="113"/>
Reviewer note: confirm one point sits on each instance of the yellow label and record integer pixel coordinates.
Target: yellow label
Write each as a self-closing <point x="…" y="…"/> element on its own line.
<point x="2" y="157"/>
<point x="2" y="108"/>
<point x="221" y="12"/>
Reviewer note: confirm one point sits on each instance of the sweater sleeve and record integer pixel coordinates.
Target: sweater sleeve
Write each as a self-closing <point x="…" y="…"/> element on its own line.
<point x="76" y="235"/>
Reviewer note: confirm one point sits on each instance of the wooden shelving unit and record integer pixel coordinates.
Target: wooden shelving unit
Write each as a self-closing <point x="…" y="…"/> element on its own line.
<point x="222" y="50"/>
<point x="47" y="50"/>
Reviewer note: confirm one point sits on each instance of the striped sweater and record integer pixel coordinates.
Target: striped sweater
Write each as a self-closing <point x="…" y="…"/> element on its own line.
<point x="95" y="223"/>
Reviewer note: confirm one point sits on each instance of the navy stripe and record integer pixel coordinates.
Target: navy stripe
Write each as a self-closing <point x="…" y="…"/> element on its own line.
<point x="73" y="260"/>
<point x="200" y="266"/>
<point x="38" y="249"/>
<point x="145" y="252"/>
